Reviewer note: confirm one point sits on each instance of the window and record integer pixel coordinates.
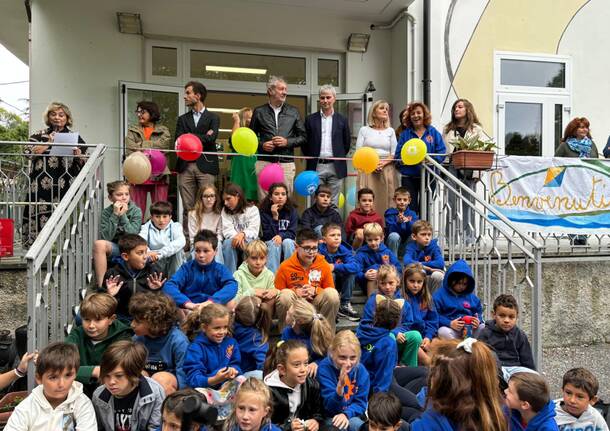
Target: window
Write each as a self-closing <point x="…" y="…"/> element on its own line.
<point x="328" y="72"/>
<point x="533" y="73"/>
<point x="164" y="61"/>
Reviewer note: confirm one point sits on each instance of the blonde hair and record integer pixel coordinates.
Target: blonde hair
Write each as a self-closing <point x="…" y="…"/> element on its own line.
<point x="199" y="208"/>
<point x="256" y="248"/>
<point x="54" y="106"/>
<point x="370" y="119"/>
<point x="242" y="115"/>
<point x="255" y="387"/>
<point x="372" y="229"/>
<point x="342" y="339"/>
<point x="386" y="271"/>
<point x="249" y="312"/>
<point x="314" y="324"/>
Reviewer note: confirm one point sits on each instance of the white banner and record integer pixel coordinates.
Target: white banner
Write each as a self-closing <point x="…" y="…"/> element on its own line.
<point x="550" y="194"/>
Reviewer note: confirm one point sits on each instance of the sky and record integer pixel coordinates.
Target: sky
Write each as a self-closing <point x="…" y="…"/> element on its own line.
<point x="13" y="70"/>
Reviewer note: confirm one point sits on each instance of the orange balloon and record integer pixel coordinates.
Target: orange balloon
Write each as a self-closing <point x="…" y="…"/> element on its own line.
<point x="365" y="159"/>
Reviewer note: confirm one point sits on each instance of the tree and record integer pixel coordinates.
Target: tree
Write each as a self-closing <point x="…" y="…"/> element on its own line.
<point x="12" y="127"/>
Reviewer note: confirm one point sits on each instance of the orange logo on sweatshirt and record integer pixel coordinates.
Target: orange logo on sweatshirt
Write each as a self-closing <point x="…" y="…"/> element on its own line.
<point x="427" y="258"/>
<point x="229" y="351"/>
<point x="385" y="258"/>
<point x="349" y="388"/>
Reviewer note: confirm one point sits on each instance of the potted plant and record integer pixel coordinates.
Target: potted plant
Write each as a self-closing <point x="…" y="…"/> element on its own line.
<point x="473" y="153"/>
<point x="8" y="404"/>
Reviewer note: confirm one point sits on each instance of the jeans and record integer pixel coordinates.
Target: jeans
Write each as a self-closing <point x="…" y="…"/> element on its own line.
<point x="344" y="283"/>
<point x="328" y="176"/>
<point x="229" y="255"/>
<point x="286" y="248"/>
<point x="395" y="242"/>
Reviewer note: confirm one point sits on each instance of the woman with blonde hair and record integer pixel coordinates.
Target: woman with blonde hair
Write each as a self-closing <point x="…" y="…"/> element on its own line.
<point x="242" y="167"/>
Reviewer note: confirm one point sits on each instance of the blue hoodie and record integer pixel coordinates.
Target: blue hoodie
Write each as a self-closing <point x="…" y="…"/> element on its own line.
<point x="251" y="347"/>
<point x="406" y="318"/>
<point x="434" y="143"/>
<point x="392" y="224"/>
<point x="204" y="358"/>
<point x="265" y="427"/>
<point x="379" y="355"/>
<point x="424" y="321"/>
<point x="432" y="421"/>
<point x="166" y="353"/>
<point x="544" y="419"/>
<point x="373" y="259"/>
<point x="451" y="305"/>
<point x="198" y="283"/>
<point x="289" y="334"/>
<point x="355" y="392"/>
<point x="285" y="226"/>
<point x="343" y="258"/>
<point x="430" y="256"/>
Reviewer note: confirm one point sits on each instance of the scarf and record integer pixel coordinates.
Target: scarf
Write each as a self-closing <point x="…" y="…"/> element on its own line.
<point x="582" y="146"/>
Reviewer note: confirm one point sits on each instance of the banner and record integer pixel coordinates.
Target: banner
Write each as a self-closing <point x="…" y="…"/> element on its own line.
<point x="552" y="195"/>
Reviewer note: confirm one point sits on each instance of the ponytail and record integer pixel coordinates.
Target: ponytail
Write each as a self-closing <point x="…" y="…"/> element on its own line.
<point x="278" y="354"/>
<point x="249" y="312"/>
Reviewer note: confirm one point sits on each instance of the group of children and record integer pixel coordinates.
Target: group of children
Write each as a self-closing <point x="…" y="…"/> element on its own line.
<point x="422" y="357"/>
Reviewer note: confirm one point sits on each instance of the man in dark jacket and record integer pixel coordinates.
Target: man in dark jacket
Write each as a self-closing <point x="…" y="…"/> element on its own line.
<point x="279" y="129"/>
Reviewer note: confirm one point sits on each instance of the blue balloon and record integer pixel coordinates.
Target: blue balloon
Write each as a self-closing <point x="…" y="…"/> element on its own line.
<point x="351" y="196"/>
<point x="306" y="183"/>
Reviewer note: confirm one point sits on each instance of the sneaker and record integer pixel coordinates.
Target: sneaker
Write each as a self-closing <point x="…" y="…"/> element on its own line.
<point x="347" y="311"/>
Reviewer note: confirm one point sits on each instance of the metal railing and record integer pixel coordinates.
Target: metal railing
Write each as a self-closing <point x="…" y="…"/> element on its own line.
<point x="59" y="265"/>
<point x="503" y="258"/>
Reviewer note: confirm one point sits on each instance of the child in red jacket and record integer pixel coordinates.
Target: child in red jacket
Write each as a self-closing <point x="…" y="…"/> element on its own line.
<point x="363" y="214"/>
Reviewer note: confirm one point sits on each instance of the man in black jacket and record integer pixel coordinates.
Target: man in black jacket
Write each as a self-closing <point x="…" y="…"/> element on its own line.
<point x="204" y="124"/>
<point x="279" y="129"/>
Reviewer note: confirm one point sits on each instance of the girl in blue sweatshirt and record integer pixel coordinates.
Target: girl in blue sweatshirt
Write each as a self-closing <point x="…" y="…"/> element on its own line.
<point x="252" y="408"/>
<point x="408" y="339"/>
<point x="459" y="309"/>
<point x="305" y="324"/>
<point x="154" y="324"/>
<point x="425" y="318"/>
<point x="251" y="331"/>
<point x="344" y="383"/>
<point x="212" y="357"/>
<point x="279" y="221"/>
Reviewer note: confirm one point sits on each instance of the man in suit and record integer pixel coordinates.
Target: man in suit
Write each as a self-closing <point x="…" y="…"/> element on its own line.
<point x="204" y="124"/>
<point x="328" y="135"/>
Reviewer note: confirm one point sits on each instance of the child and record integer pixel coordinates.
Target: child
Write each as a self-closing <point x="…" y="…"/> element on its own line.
<point x="321" y="212"/>
<point x="344" y="383"/>
<point x="457" y="304"/>
<point x="378" y="345"/>
<point x="132" y="273"/>
<point x="528" y="395"/>
<point x="206" y="214"/>
<point x="425" y="317"/>
<point x="296" y="395"/>
<point x="462" y="389"/>
<point x="154" y="325"/>
<point x="398" y="221"/>
<point x="384" y="412"/>
<point x="363" y="214"/>
<point x="251" y="331"/>
<point x="344" y="267"/>
<point x="371" y="255"/>
<point x="172" y="411"/>
<point x="99" y="330"/>
<point x="504" y="336"/>
<point x="303" y="323"/>
<point x="202" y="280"/>
<point x="58" y="402"/>
<point x="127" y="400"/>
<point x="575" y="409"/>
<point x="408" y="340"/>
<point x="240" y="223"/>
<point x="165" y="238"/>
<point x="120" y="217"/>
<point x="279" y="221"/>
<point x="252" y="408"/>
<point x="212" y="357"/>
<point x="425" y="250"/>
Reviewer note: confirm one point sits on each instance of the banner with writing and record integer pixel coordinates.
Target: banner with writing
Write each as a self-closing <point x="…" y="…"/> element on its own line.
<point x="552" y="195"/>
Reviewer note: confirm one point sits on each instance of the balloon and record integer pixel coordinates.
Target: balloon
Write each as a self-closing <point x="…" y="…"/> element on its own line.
<point x="341" y="202"/>
<point x="158" y="162"/>
<point x="351" y="196"/>
<point x="413" y="151"/>
<point x="365" y="159"/>
<point x="244" y="141"/>
<point x="189" y="147"/>
<point x="272" y="173"/>
<point x="136" y="168"/>
<point x="306" y="183"/>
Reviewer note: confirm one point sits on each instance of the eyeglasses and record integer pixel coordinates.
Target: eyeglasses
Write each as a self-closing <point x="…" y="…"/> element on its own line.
<point x="209" y="196"/>
<point x="140" y="111"/>
<point x="309" y="250"/>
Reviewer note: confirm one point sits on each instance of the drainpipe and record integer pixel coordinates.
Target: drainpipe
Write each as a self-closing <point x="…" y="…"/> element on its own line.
<point x="426" y="47"/>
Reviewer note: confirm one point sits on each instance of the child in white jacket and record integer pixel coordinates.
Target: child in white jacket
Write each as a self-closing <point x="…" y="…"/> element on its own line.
<point x="58" y="402"/>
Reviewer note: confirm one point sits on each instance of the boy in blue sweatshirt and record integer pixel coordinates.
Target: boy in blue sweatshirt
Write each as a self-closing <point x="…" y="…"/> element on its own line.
<point x="398" y="221"/>
<point x="425" y="250"/>
<point x="343" y="265"/>
<point x="202" y="279"/>
<point x="528" y="397"/>
<point x="372" y="255"/>
<point x="459" y="309"/>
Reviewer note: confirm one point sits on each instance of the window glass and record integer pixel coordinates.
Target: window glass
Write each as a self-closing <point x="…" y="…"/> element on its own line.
<point x="533" y="73"/>
<point x="164" y="61"/>
<point x="328" y="72"/>
<point x="523" y="129"/>
<point x="558" y="124"/>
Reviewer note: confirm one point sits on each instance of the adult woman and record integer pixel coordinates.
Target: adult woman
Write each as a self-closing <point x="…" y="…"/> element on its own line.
<point x="148" y="134"/>
<point x="50" y="175"/>
<point x="242" y="167"/>
<point x="380" y="136"/>
<point x="403" y="123"/>
<point x="418" y="126"/>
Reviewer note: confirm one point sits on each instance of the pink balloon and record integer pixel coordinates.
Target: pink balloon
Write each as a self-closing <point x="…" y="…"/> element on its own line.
<point x="272" y="173"/>
<point x="158" y="162"/>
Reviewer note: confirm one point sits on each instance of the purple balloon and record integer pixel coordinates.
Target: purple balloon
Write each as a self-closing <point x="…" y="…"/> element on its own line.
<point x="158" y="162"/>
<point x="272" y="173"/>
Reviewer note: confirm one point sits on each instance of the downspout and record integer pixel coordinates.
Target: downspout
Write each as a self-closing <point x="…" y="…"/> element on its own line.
<point x="426" y="47"/>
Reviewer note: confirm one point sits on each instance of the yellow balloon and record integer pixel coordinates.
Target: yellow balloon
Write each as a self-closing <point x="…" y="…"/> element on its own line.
<point x="245" y="141"/>
<point x="137" y="168"/>
<point x="365" y="159"/>
<point x="341" y="202"/>
<point x="413" y="151"/>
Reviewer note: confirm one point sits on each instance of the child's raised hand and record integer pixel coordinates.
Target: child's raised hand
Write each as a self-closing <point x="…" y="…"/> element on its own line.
<point x="341" y="421"/>
<point x="400" y="338"/>
<point x="113" y="284"/>
<point x="457" y="324"/>
<point x="312" y="369"/>
<point x="275" y="211"/>
<point x="155" y="281"/>
<point x="341" y="381"/>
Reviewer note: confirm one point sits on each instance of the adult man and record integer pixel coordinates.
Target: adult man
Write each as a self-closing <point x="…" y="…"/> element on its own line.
<point x="204" y="124"/>
<point x="328" y="135"/>
<point x="279" y="129"/>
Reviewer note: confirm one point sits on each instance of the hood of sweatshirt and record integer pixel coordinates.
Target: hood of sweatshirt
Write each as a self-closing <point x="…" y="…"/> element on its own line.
<point x="589" y="417"/>
<point x="432" y="421"/>
<point x="273" y="379"/>
<point x="246" y="274"/>
<point x="382" y="249"/>
<point x="369" y="334"/>
<point x="459" y="267"/>
<point x="67" y="405"/>
<point x="547" y="414"/>
<point x="344" y="250"/>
